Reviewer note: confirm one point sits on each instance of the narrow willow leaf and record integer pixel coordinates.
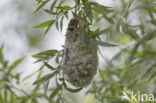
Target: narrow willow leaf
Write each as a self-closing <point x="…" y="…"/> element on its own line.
<point x="5" y="95"/>
<point x="80" y="13"/>
<point x="98" y="32"/>
<point x="102" y="74"/>
<point x="151" y="35"/>
<point x="147" y="37"/>
<point x="101" y="43"/>
<point x="151" y="76"/>
<point x="101" y="9"/>
<point x="70" y="89"/>
<point x="133" y="51"/>
<point x="52" y="6"/>
<point x="153" y="22"/>
<point x="39" y="75"/>
<point x="57" y="25"/>
<point x="110" y="20"/>
<point x="130" y="2"/>
<point x="86" y="5"/>
<point x="90" y="13"/>
<point x="56" y="90"/>
<point x="61" y="23"/>
<point x="153" y="9"/>
<point x="58" y="100"/>
<point x="67" y="7"/>
<point x="46" y="77"/>
<point x="45" y="55"/>
<point x="149" y="70"/>
<point x="45" y="24"/>
<point x="49" y="66"/>
<point x="47" y="11"/>
<point x="46" y="87"/>
<point x="41" y="5"/>
<point x="1" y="99"/>
<point x="132" y="33"/>
<point x="48" y="28"/>
<point x="15" y="64"/>
<point x="47" y="52"/>
<point x="12" y="98"/>
<point x="1" y="55"/>
<point x="30" y="75"/>
<point x="66" y="14"/>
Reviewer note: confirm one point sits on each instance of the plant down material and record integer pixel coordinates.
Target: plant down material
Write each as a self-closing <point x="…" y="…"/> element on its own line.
<point x="80" y="59"/>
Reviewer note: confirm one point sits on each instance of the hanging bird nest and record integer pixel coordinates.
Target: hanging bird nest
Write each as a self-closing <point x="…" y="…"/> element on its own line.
<point x="80" y="56"/>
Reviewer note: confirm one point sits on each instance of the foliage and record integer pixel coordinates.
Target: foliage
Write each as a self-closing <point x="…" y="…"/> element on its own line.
<point x="133" y="68"/>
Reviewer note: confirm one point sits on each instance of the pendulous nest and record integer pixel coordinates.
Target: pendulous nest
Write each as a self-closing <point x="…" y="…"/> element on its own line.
<point x="80" y="59"/>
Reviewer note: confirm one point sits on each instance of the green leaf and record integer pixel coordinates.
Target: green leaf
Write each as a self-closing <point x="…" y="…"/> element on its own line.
<point x="149" y="69"/>
<point x="45" y="24"/>
<point x="85" y="3"/>
<point x="130" y="1"/>
<point x="45" y="55"/>
<point x="58" y="100"/>
<point x="52" y="6"/>
<point x="41" y="5"/>
<point x="30" y="75"/>
<point x="49" y="66"/>
<point x="39" y="74"/>
<point x="151" y="35"/>
<point x="46" y="77"/>
<point x="153" y="22"/>
<point x="153" y="9"/>
<point x="90" y="13"/>
<point x="70" y="89"/>
<point x="2" y="60"/>
<point x="56" y="24"/>
<point x="1" y="55"/>
<point x="102" y="74"/>
<point x="101" y="9"/>
<point x="132" y="33"/>
<point x="98" y="32"/>
<point x="46" y="87"/>
<point x="133" y="51"/>
<point x="1" y="99"/>
<point x="101" y="43"/>
<point x="61" y="23"/>
<point x="56" y="90"/>
<point x="110" y="20"/>
<point x="47" y="29"/>
<point x="66" y="14"/>
<point x="88" y="9"/>
<point x="67" y="7"/>
<point x="147" y="37"/>
<point x="15" y="64"/>
<point x="60" y="54"/>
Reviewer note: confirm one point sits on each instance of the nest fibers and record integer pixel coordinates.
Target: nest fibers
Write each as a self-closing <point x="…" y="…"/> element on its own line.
<point x="80" y="59"/>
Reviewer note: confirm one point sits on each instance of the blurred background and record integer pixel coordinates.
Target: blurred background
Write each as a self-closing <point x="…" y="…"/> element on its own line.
<point x="19" y="39"/>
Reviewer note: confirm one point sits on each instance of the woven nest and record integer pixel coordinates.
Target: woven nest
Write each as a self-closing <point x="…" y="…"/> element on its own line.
<point x="80" y="60"/>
